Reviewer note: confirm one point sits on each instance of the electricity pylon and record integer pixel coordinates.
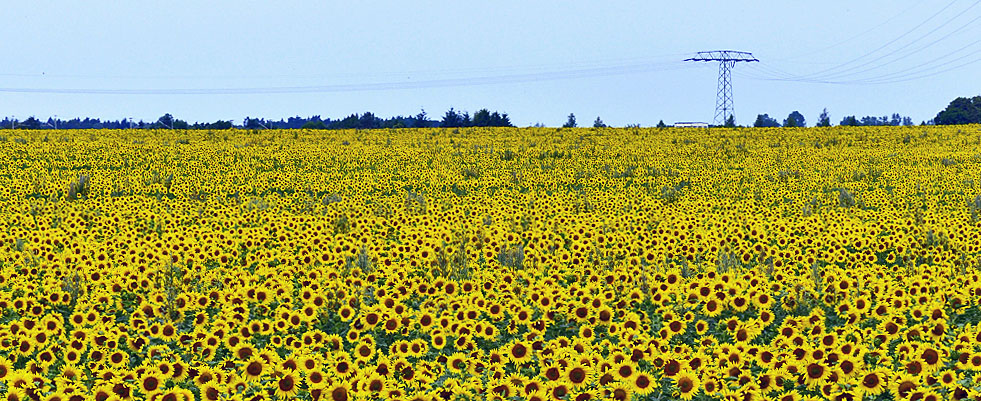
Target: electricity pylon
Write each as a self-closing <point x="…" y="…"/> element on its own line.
<point x="727" y="59"/>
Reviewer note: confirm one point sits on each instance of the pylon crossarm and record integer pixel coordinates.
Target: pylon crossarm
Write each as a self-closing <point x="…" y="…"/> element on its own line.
<point x="727" y="60"/>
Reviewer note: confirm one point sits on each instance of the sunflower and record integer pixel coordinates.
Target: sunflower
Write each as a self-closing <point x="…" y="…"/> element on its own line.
<point x="620" y="392"/>
<point x="315" y="377"/>
<point x="254" y="369"/>
<point x="578" y="374"/>
<point x="930" y="358"/>
<point x="364" y="351"/>
<point x="150" y="382"/>
<point x="790" y="395"/>
<point x="948" y="379"/>
<point x="642" y="383"/>
<point x="814" y="374"/>
<point x="903" y="384"/>
<point x="340" y="391"/>
<point x="342" y="366"/>
<point x="205" y="375"/>
<point x="287" y="385"/>
<point x="16" y="394"/>
<point x="872" y="382"/>
<point x="710" y="386"/>
<point x="624" y="371"/>
<point x="559" y="391"/>
<point x="6" y="368"/>
<point x="688" y="385"/>
<point x="56" y="396"/>
<point x="519" y="352"/>
<point x="374" y="383"/>
<point x="210" y="392"/>
<point x="457" y="362"/>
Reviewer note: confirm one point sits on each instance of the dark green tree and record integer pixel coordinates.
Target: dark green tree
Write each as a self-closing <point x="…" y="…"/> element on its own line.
<point x="765" y="121"/>
<point x="960" y="111"/>
<point x="571" y="122"/>
<point x="850" y="121"/>
<point x="661" y="124"/>
<point x="824" y="120"/>
<point x="731" y="121"/>
<point x="30" y="123"/>
<point x="598" y="123"/>
<point x="421" y="120"/>
<point x="795" y="119"/>
<point x="166" y="121"/>
<point x="452" y="119"/>
<point x="482" y="118"/>
<point x="314" y="124"/>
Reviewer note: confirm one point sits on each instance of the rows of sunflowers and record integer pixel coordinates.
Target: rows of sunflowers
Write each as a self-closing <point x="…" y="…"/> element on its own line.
<point x="491" y="264"/>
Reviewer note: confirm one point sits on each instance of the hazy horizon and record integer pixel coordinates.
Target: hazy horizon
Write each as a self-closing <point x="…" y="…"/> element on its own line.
<point x="536" y="61"/>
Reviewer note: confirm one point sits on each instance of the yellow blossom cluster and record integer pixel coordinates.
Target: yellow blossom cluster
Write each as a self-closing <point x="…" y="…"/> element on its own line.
<point x="499" y="264"/>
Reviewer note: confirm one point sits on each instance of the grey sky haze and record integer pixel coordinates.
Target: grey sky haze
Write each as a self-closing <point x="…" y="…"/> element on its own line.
<point x="537" y="61"/>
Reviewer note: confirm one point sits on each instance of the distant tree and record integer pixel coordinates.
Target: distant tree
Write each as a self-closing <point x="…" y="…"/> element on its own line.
<point x="896" y="119"/>
<point x="421" y="120"/>
<point x="352" y="121"/>
<point x="500" y="120"/>
<point x="873" y="121"/>
<point x="795" y="119"/>
<point x="452" y="119"/>
<point x="731" y="121"/>
<point x="764" y="120"/>
<point x="217" y="125"/>
<point x="598" y="123"/>
<point x="850" y="121"/>
<point x="166" y="120"/>
<point x="661" y="124"/>
<point x="824" y="120"/>
<point x="571" y="122"/>
<point x="314" y="125"/>
<point x="907" y="121"/>
<point x="30" y="123"/>
<point x="369" y="121"/>
<point x="254" y="123"/>
<point x="960" y="111"/>
<point x="482" y="118"/>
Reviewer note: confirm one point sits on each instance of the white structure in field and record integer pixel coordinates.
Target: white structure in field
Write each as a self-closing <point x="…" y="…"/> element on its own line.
<point x="688" y="124"/>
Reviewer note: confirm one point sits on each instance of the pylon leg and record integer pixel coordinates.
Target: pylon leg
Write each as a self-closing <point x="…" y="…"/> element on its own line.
<point x="723" y="98"/>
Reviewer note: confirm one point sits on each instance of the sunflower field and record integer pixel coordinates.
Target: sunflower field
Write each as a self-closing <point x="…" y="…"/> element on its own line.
<point x="491" y="264"/>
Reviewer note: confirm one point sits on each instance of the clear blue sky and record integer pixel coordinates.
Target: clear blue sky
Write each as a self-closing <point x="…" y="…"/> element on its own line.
<point x="537" y="61"/>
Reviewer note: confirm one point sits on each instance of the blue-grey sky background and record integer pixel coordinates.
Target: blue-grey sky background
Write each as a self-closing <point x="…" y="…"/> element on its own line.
<point x="538" y="61"/>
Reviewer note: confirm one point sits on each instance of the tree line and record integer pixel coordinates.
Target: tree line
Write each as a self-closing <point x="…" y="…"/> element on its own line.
<point x="960" y="111"/>
<point x="796" y="119"/>
<point x="366" y="120"/>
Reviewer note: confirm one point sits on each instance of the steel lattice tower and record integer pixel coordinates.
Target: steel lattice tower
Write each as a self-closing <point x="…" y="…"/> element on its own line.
<point x="727" y="60"/>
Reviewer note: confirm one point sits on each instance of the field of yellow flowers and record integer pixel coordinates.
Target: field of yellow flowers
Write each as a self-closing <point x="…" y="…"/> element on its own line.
<point x="491" y="264"/>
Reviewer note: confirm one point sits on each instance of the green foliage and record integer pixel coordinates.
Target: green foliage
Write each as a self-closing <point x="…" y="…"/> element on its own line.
<point x="795" y="119"/>
<point x="960" y="111"/>
<point x="570" y="122"/>
<point x="731" y="122"/>
<point x="317" y="124"/>
<point x="764" y="120"/>
<point x="824" y="120"/>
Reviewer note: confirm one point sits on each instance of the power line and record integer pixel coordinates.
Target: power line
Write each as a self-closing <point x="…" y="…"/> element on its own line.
<point x="397" y="85"/>
<point x="867" y="54"/>
<point x="849" y="39"/>
<point x="433" y="73"/>
<point x="843" y="73"/>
